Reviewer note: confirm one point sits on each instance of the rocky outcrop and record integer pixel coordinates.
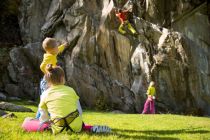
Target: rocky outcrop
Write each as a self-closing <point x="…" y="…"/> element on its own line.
<point x="24" y="71"/>
<point x="12" y="107"/>
<point x="10" y="115"/>
<point x="109" y="70"/>
<point x="2" y="113"/>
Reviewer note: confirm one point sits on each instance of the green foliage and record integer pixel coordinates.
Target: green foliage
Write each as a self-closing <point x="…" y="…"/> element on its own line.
<point x="124" y="126"/>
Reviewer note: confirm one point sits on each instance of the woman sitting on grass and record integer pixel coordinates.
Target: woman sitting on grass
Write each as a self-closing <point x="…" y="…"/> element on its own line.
<point x="60" y="102"/>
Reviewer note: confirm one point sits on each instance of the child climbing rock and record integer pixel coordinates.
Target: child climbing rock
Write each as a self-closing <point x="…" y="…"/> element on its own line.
<point x="122" y="15"/>
<point x="149" y="106"/>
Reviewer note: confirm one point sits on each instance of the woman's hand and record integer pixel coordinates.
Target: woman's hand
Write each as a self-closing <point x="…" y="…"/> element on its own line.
<point x="149" y="98"/>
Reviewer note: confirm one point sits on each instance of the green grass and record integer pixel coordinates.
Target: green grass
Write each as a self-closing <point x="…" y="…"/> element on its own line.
<point x="124" y="126"/>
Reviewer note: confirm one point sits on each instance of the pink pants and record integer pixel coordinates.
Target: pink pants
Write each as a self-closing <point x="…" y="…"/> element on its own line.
<point x="86" y="127"/>
<point x="33" y="125"/>
<point x="149" y="107"/>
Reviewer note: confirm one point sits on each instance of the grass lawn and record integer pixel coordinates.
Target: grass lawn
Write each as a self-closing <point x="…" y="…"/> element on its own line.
<point x="124" y="126"/>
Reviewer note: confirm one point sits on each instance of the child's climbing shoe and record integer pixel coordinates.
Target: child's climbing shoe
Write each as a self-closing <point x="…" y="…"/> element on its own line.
<point x="100" y="129"/>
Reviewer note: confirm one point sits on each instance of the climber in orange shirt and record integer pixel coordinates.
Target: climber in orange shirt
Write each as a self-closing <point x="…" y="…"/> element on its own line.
<point x="122" y="15"/>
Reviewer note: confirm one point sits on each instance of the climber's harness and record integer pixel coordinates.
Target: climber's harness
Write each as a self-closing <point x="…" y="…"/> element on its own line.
<point x="66" y="121"/>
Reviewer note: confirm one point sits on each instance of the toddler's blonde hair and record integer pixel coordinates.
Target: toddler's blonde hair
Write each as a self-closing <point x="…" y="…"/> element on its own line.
<point x="49" y="43"/>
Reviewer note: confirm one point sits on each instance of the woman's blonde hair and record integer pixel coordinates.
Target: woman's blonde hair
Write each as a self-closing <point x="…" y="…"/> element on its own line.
<point x="54" y="75"/>
<point x="152" y="83"/>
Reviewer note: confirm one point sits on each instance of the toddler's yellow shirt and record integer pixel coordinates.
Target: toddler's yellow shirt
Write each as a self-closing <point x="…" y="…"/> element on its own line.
<point x="50" y="59"/>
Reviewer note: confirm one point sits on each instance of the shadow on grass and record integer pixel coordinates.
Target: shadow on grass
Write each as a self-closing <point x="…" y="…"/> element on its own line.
<point x="149" y="134"/>
<point x="146" y="137"/>
<point x="162" y="132"/>
<point x="135" y="136"/>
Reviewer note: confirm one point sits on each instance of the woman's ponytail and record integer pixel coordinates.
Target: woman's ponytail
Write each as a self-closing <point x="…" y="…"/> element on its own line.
<point x="54" y="75"/>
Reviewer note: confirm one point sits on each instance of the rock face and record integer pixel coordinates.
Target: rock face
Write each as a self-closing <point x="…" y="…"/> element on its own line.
<point x="169" y="11"/>
<point x="24" y="71"/>
<point x="10" y="31"/>
<point x="9" y="36"/>
<point x="199" y="43"/>
<point x="2" y="97"/>
<point x="112" y="71"/>
<point x="31" y="18"/>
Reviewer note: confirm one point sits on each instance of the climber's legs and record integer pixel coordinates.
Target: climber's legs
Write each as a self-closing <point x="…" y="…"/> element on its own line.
<point x="131" y="28"/>
<point x="121" y="30"/>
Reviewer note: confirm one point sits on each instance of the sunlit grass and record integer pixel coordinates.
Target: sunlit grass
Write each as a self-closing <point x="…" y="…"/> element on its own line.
<point x="124" y="126"/>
